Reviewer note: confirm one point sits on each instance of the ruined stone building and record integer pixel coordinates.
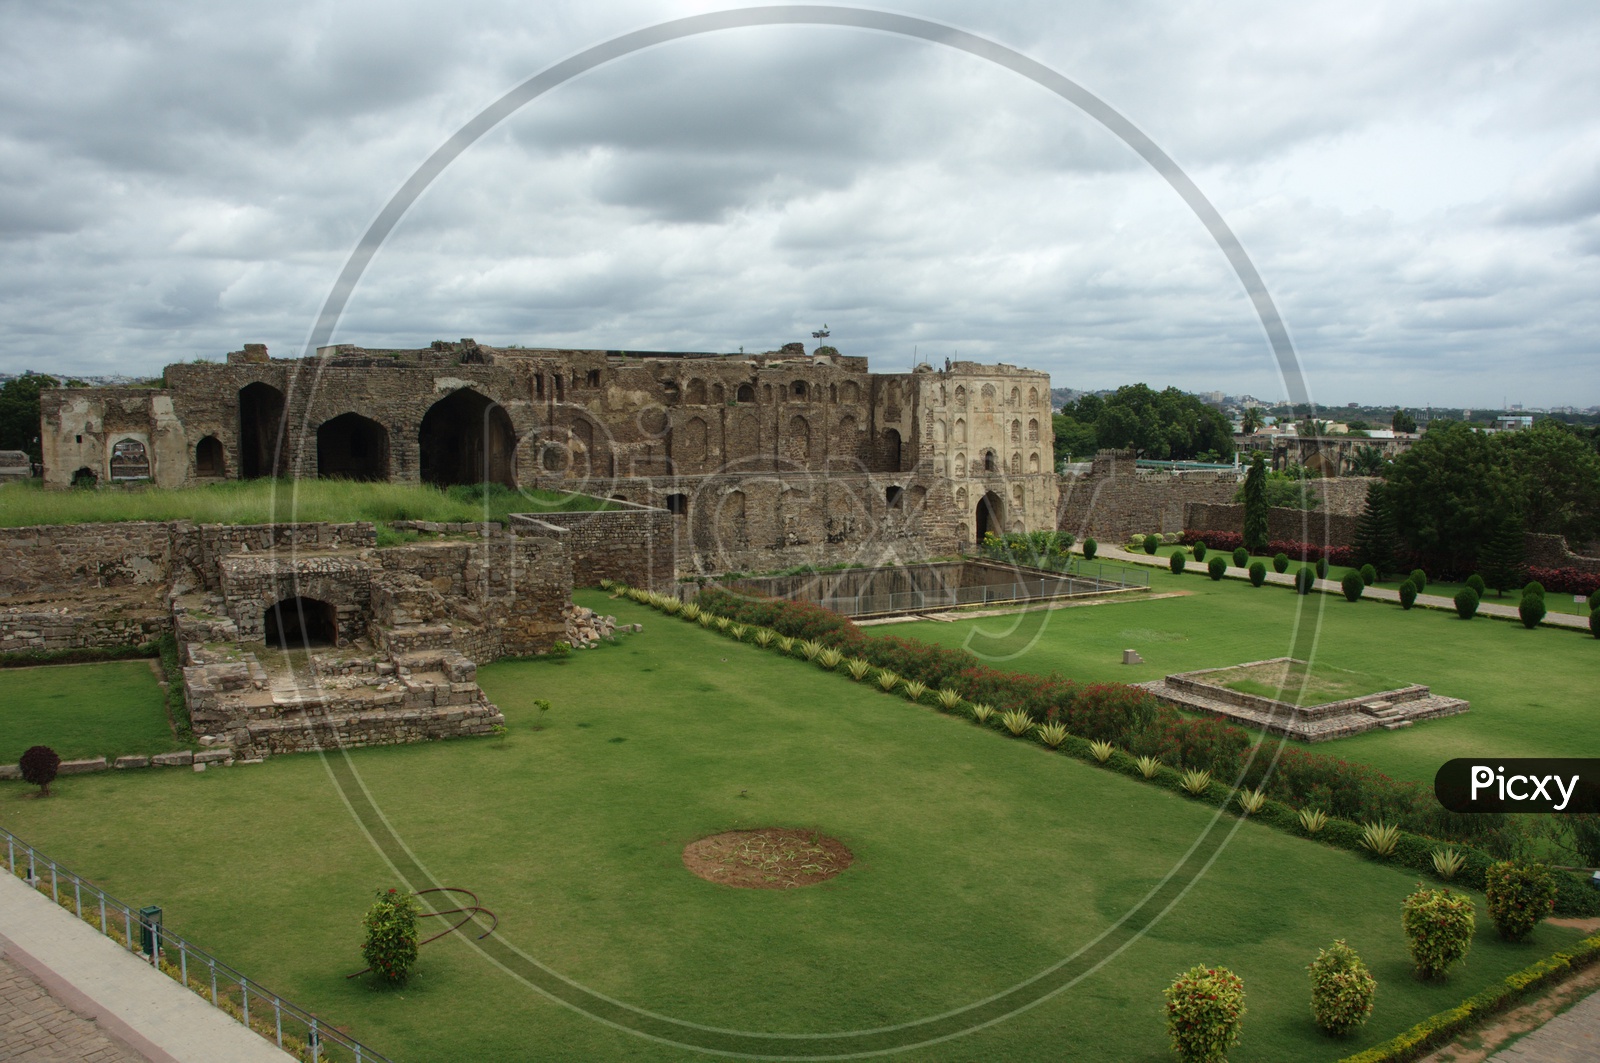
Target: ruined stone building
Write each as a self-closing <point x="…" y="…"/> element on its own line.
<point x="763" y="460"/>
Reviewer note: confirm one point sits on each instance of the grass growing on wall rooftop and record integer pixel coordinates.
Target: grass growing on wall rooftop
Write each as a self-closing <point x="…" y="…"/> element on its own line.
<point x="264" y="501"/>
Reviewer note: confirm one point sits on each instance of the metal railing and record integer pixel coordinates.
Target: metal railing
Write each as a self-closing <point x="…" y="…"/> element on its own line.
<point x="293" y="1028"/>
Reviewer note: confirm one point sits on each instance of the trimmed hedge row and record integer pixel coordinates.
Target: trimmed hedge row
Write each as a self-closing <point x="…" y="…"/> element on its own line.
<point x="80" y="655"/>
<point x="1434" y="1031"/>
<point x="1135" y="720"/>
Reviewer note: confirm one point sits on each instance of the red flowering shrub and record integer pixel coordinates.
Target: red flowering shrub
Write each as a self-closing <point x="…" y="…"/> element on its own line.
<point x="1205" y="1008"/>
<point x="1566" y="580"/>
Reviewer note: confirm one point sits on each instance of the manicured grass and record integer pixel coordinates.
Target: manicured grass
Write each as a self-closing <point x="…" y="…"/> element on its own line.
<point x="262" y="501"/>
<point x="84" y="710"/>
<point x="980" y="861"/>
<point x="1532" y="692"/>
<point x="1297" y="683"/>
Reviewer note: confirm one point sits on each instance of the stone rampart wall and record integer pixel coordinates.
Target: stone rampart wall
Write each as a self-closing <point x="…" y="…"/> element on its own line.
<point x="1294" y="525"/>
<point x="634" y="545"/>
<point x="1552" y="551"/>
<point x="47" y="559"/>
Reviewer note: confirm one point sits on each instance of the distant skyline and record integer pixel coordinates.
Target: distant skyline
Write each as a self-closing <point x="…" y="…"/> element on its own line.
<point x="1417" y="183"/>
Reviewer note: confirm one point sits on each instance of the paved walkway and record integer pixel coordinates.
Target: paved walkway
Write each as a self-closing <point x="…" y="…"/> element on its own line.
<point x="1571" y="1037"/>
<point x="68" y="993"/>
<point x="1286" y="579"/>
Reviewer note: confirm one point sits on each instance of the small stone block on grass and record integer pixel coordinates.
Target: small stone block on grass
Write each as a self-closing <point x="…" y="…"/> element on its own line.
<point x="132" y="762"/>
<point x="81" y="767"/>
<point x="173" y="760"/>
<point x="1131" y="657"/>
<point x="10" y="771"/>
<point x="213" y="756"/>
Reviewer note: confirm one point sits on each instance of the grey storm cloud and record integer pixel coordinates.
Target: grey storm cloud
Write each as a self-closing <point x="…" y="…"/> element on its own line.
<point x="1418" y="183"/>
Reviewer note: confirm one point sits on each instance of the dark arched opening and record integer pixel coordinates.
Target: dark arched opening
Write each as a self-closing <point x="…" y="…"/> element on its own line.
<point x="892" y="496"/>
<point x="891" y="450"/>
<point x="678" y="505"/>
<point x="991" y="515"/>
<point x="85" y="477"/>
<point x="746" y="393"/>
<point x="208" y="460"/>
<point x="260" y="431"/>
<point x="298" y="622"/>
<point x="352" y="447"/>
<point x="989" y="464"/>
<point x="467" y="439"/>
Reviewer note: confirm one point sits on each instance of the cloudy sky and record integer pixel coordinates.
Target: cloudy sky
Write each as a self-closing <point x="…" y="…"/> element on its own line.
<point x="1417" y="183"/>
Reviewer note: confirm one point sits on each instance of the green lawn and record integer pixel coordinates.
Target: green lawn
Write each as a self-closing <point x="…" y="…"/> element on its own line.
<point x="1532" y="692"/>
<point x="84" y="710"/>
<point x="980" y="862"/>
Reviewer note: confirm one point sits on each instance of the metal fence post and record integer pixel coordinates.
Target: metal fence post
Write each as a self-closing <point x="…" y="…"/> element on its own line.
<point x="77" y="894"/>
<point x="277" y="1018"/>
<point x="244" y="997"/>
<point x="212" y="962"/>
<point x="55" y="891"/>
<point x="183" y="963"/>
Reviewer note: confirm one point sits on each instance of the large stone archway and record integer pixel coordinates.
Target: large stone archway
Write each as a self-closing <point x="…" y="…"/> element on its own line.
<point x="352" y="447"/>
<point x="466" y="438"/>
<point x="990" y="516"/>
<point x="261" y="449"/>
<point x="294" y="623"/>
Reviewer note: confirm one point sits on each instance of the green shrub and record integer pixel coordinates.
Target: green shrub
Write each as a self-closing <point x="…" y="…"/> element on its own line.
<point x="1151" y="542"/>
<point x="1369" y="575"/>
<point x="1534" y="587"/>
<point x="1322" y="568"/>
<point x="1466" y="603"/>
<point x="1531" y="609"/>
<point x="1176" y="562"/>
<point x="1217" y="567"/>
<point x="391" y="945"/>
<point x="1438" y="926"/>
<point x="1479" y="587"/>
<point x="1353" y="585"/>
<point x="1205" y="1009"/>
<point x="1519" y="896"/>
<point x="1304" y="580"/>
<point x="1594" y="623"/>
<point x="1420" y="578"/>
<point x="1594" y="601"/>
<point x="1090" y="547"/>
<point x="39" y="765"/>
<point x="1258" y="573"/>
<point x="1408" y="594"/>
<point x="1241" y="557"/>
<point x="1199" y="550"/>
<point x="1341" y="988"/>
<point x="1280" y="562"/>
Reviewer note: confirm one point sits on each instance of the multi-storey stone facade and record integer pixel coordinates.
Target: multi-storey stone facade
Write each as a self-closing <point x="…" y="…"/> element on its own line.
<point x="766" y="460"/>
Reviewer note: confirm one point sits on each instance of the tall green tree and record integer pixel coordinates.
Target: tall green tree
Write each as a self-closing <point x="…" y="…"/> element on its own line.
<point x="1449" y="492"/>
<point x="1164" y="424"/>
<point x="19" y="412"/>
<point x="1554" y="477"/>
<point x="1251" y="422"/>
<point x="1255" y="506"/>
<point x="1403" y="422"/>
<point x="1375" y="539"/>
<point x="1501" y="562"/>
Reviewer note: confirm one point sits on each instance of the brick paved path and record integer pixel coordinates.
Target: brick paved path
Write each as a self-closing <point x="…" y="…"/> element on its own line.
<point x="1571" y="1037"/>
<point x="37" y="1028"/>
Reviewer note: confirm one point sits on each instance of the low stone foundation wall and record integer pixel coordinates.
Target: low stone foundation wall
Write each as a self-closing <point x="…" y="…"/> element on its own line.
<point x="81" y="624"/>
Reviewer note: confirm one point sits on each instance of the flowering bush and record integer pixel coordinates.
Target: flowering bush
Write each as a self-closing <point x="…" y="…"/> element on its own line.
<point x="391" y="946"/>
<point x="1438" y="926"/>
<point x="1519" y="896"/>
<point x="1341" y="988"/>
<point x="1566" y="580"/>
<point x="1205" y="1009"/>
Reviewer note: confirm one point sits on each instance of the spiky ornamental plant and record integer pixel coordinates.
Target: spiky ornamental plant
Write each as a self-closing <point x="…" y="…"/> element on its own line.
<point x="1341" y="988"/>
<point x="981" y="712"/>
<point x="1016" y="721"/>
<point x="858" y="668"/>
<point x="887" y="680"/>
<point x="914" y="689"/>
<point x="1052" y="734"/>
<point x="949" y="700"/>
<point x="1102" y="750"/>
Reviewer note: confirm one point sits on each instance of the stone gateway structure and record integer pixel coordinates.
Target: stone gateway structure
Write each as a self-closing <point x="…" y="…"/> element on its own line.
<point x="762" y="460"/>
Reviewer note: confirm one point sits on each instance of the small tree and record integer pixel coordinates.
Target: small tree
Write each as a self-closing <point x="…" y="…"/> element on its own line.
<point x="1258" y="573"/>
<point x="1369" y="575"/>
<point x="1352" y="586"/>
<point x="1420" y="578"/>
<point x="1479" y="587"/>
<point x="1241" y="557"/>
<point x="1151" y="543"/>
<point x="1375" y="531"/>
<point x="1519" y="896"/>
<point x="1217" y="567"/>
<point x="1501" y="562"/>
<point x="1531" y="609"/>
<point x="1341" y="988"/>
<point x="1466" y="603"/>
<point x="1322" y="568"/>
<point x="1305" y="580"/>
<point x="1090" y="547"/>
<point x="39" y="766"/>
<point x="391" y="945"/>
<point x="1176" y="562"/>
<point x="1438" y="925"/>
<point x="1280" y="562"/>
<point x="1255" y="507"/>
<point x="1199" y="550"/>
<point x="1533" y="588"/>
<point x="1408" y="594"/>
<point x="1205" y="1009"/>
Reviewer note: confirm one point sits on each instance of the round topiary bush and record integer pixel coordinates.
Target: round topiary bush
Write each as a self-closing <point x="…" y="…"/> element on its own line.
<point x="1089" y="549"/>
<point x="1534" y="587"/>
<point x="1594" y="623"/>
<point x="1151" y="542"/>
<point x="1408" y="594"/>
<point x="1438" y="925"/>
<point x="1258" y="573"/>
<point x="391" y="945"/>
<point x="1352" y="585"/>
<point x="1217" y="567"/>
<point x="39" y="765"/>
<point x="1466" y="603"/>
<point x="1176" y="562"/>
<point x="1341" y="988"/>
<point x="1519" y="896"/>
<point x="1531" y="609"/>
<point x="1241" y="557"/>
<point x="1420" y="578"/>
<point x="1305" y="580"/>
<point x="1280" y="562"/>
<point x="1594" y="602"/>
<point x="1322" y="568"/>
<point x="1479" y="587"/>
<point x="1199" y="550"/>
<point x="1369" y="575"/>
<point x="1205" y="1009"/>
